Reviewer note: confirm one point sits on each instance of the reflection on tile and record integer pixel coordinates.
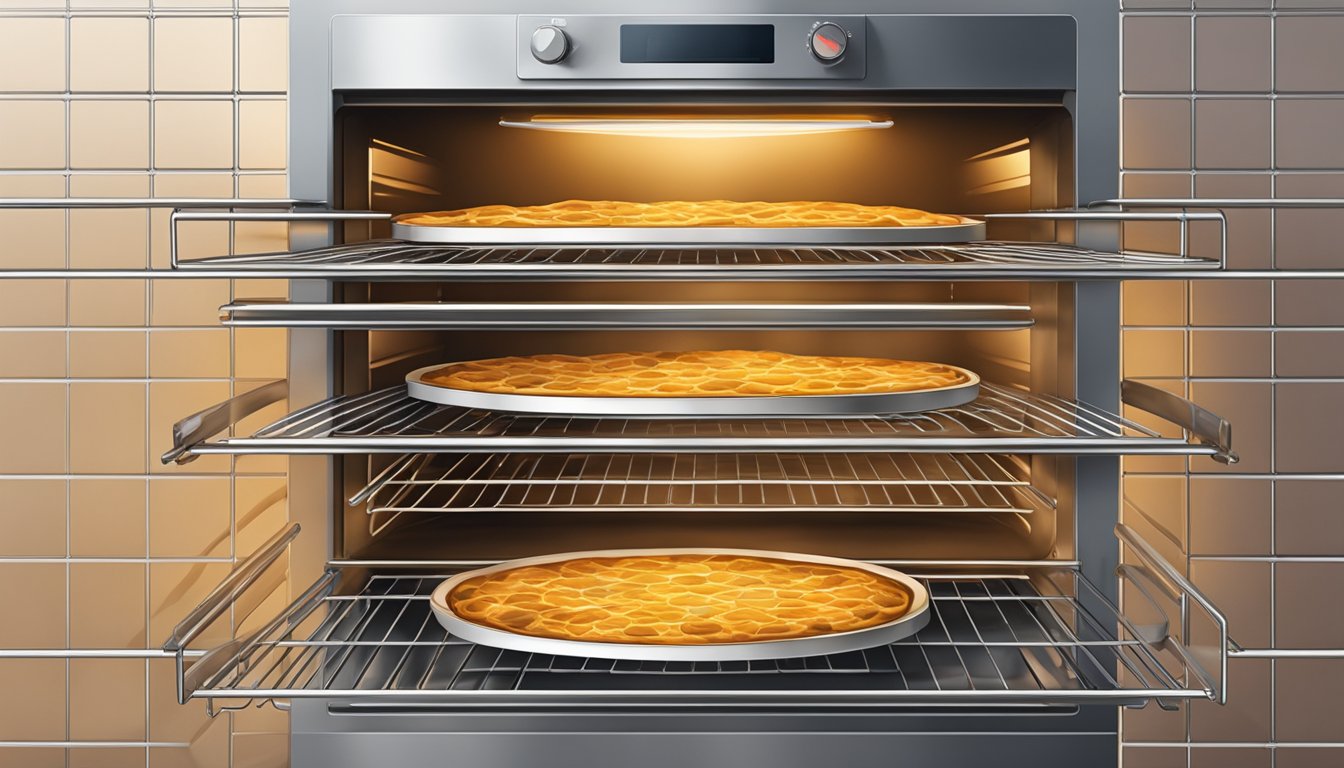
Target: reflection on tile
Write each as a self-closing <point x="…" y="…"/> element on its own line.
<point x="189" y="517"/>
<point x="1230" y="516"/>
<point x="175" y="589"/>
<point x="1249" y="407"/>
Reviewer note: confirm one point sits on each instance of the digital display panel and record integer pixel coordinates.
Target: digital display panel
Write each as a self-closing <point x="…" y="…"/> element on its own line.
<point x="697" y="44"/>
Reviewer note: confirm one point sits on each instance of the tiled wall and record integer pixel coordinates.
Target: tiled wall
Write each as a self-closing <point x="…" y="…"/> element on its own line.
<point x="100" y="545"/>
<point x="1245" y="98"/>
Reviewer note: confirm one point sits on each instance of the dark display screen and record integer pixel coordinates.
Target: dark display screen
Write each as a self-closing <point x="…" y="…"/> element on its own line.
<point x="697" y="44"/>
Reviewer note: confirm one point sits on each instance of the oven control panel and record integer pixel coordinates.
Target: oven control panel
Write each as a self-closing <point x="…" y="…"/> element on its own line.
<point x="792" y="47"/>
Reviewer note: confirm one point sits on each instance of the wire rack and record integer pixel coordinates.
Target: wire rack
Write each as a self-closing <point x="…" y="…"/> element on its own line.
<point x="702" y="482"/>
<point x="991" y="638"/>
<point x="393" y="259"/>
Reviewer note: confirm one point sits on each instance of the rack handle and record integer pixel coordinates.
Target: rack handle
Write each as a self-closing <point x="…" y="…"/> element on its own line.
<point x="179" y="216"/>
<point x="199" y="426"/>
<point x="1210" y="428"/>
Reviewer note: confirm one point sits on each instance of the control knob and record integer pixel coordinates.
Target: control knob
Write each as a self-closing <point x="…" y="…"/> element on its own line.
<point x="550" y="44"/>
<point x="828" y="42"/>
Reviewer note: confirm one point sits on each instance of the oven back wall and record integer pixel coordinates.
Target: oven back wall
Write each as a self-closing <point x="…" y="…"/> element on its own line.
<point x="100" y="545"/>
<point x="1234" y="99"/>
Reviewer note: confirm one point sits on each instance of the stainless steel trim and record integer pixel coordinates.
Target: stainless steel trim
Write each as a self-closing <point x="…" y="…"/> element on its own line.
<point x="699" y="407"/>
<point x="841" y="642"/>
<point x="150" y="202"/>
<point x="211" y="421"/>
<point x="1210" y="428"/>
<point x="1224" y="202"/>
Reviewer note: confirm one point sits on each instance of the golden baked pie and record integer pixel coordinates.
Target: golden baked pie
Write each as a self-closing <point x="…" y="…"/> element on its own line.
<point x="679" y="599"/>
<point x="726" y="373"/>
<point x="675" y="213"/>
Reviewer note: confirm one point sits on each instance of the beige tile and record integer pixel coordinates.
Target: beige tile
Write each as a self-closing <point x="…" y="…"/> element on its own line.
<point x="1228" y="354"/>
<point x="1307" y="695"/>
<point x="172" y="401"/>
<point x="32" y="303"/>
<point x="1306" y="54"/>
<point x="109" y="239"/>
<point x="1241" y="590"/>
<point x="189" y="517"/>
<point x="32" y="428"/>
<point x="1306" y="517"/>
<point x="32" y="757"/>
<point x="1250" y="231"/>
<point x="102" y="354"/>
<point x="1308" y="421"/>
<point x="1232" y="133"/>
<point x="193" y="134"/>
<point x="1156" y="54"/>
<point x="39" y="714"/>
<point x="107" y="517"/>
<point x="1151" y="353"/>
<point x="33" y="185"/>
<point x="33" y="239"/>
<point x="1230" y="516"/>
<point x="1299" y="621"/>
<point x="107" y="605"/>
<point x="1225" y="757"/>
<point x="175" y="589"/>
<point x="193" y="54"/>
<point x="107" y="427"/>
<point x="263" y="54"/>
<point x="1247" y="715"/>
<point x="199" y="354"/>
<point x="35" y="614"/>
<point x="188" y="302"/>
<point x="97" y="303"/>
<point x="260" y="353"/>
<point x="107" y="700"/>
<point x="1157" y="133"/>
<point x="1232" y="53"/>
<point x="32" y="355"/>
<point x="1305" y="134"/>
<point x="109" y="134"/>
<point x="1157" y="302"/>
<point x="1308" y="757"/>
<point x="1230" y="303"/>
<point x="108" y="757"/>
<point x="32" y="519"/>
<point x="261" y="135"/>
<point x="32" y="54"/>
<point x="109" y="54"/>
<point x="1248" y="406"/>
<point x="1309" y="302"/>
<point x="34" y="134"/>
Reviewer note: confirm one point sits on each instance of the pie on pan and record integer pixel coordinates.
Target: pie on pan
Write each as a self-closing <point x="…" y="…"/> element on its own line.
<point x="723" y="373"/>
<point x="679" y="599"/>
<point x="677" y="213"/>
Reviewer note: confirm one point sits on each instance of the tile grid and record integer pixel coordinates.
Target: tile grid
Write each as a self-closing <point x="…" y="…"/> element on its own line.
<point x="121" y="712"/>
<point x="1268" y="721"/>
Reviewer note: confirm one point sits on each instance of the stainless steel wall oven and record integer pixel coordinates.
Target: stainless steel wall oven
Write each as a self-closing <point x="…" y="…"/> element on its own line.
<point x="1008" y="507"/>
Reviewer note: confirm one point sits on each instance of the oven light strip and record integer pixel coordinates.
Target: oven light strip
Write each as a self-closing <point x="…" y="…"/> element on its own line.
<point x="697" y="128"/>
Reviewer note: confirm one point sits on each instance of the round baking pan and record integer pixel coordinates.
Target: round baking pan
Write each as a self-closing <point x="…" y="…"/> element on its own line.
<point x="700" y="407"/>
<point x="914" y="620"/>
<point x="968" y="230"/>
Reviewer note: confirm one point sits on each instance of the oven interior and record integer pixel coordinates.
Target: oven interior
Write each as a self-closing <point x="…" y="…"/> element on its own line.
<point x="958" y="158"/>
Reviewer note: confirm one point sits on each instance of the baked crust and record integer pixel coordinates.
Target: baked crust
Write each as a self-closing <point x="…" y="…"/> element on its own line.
<point x="680" y="599"/>
<point x="678" y="213"/>
<point x="725" y="373"/>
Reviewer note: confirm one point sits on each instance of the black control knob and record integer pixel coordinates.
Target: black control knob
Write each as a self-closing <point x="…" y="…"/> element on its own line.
<point x="828" y="42"/>
<point x="550" y="44"/>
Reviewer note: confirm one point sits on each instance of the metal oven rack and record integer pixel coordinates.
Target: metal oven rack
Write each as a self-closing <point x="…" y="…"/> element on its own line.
<point x="1037" y="634"/>
<point x="1001" y="420"/>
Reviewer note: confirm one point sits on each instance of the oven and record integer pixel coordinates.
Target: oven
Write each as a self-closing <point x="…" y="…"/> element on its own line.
<point x="1050" y="610"/>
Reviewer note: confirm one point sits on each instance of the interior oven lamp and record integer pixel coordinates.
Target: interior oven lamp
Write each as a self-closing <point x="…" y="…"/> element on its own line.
<point x="698" y="127"/>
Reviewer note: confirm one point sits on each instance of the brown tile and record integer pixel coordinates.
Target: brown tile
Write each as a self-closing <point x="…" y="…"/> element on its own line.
<point x="193" y="134"/>
<point x="1306" y="55"/>
<point x="261" y="134"/>
<point x="1232" y="133"/>
<point x="261" y="750"/>
<point x="1309" y="354"/>
<point x="1309" y="302"/>
<point x="1241" y="590"/>
<point x="174" y="590"/>
<point x="1157" y="133"/>
<point x="1306" y="239"/>
<point x="32" y="54"/>
<point x="32" y="303"/>
<point x="33" y="239"/>
<point x="260" y="353"/>
<point x="1158" y="302"/>
<point x="1247" y="715"/>
<point x="1299" y="621"/>
<point x="32" y="757"/>
<point x="107" y="302"/>
<point x="1152" y="353"/>
<point x="193" y="54"/>
<point x="1230" y="516"/>
<point x="1306" y="517"/>
<point x="32" y="519"/>
<point x="1228" y="757"/>
<point x="109" y="54"/>
<point x="109" y="239"/>
<point x="107" y="427"/>
<point x="168" y="720"/>
<point x="1250" y="241"/>
<point x="100" y="354"/>
<point x="1156" y="54"/>
<point x="34" y="615"/>
<point x="107" y="517"/>
<point x="1248" y="406"/>
<point x="189" y="517"/>
<point x="1153" y="724"/>
<point x="196" y="239"/>
<point x="34" y="134"/>
<point x="1308" y="757"/>
<point x="108" y="757"/>
<point x="32" y="355"/>
<point x="107" y="700"/>
<point x="1230" y="302"/>
<point x="39" y="714"/>
<point x="32" y="440"/>
<point x="1161" y="501"/>
<point x="1232" y="53"/>
<point x="1306" y="699"/>
<point x="107" y="605"/>
<point x="188" y="302"/>
<point x="109" y="134"/>
<point x="1154" y="757"/>
<point x="1308" y="420"/>
<point x="194" y="354"/>
<point x="1231" y="354"/>
<point x="1305" y="135"/>
<point x="263" y="54"/>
